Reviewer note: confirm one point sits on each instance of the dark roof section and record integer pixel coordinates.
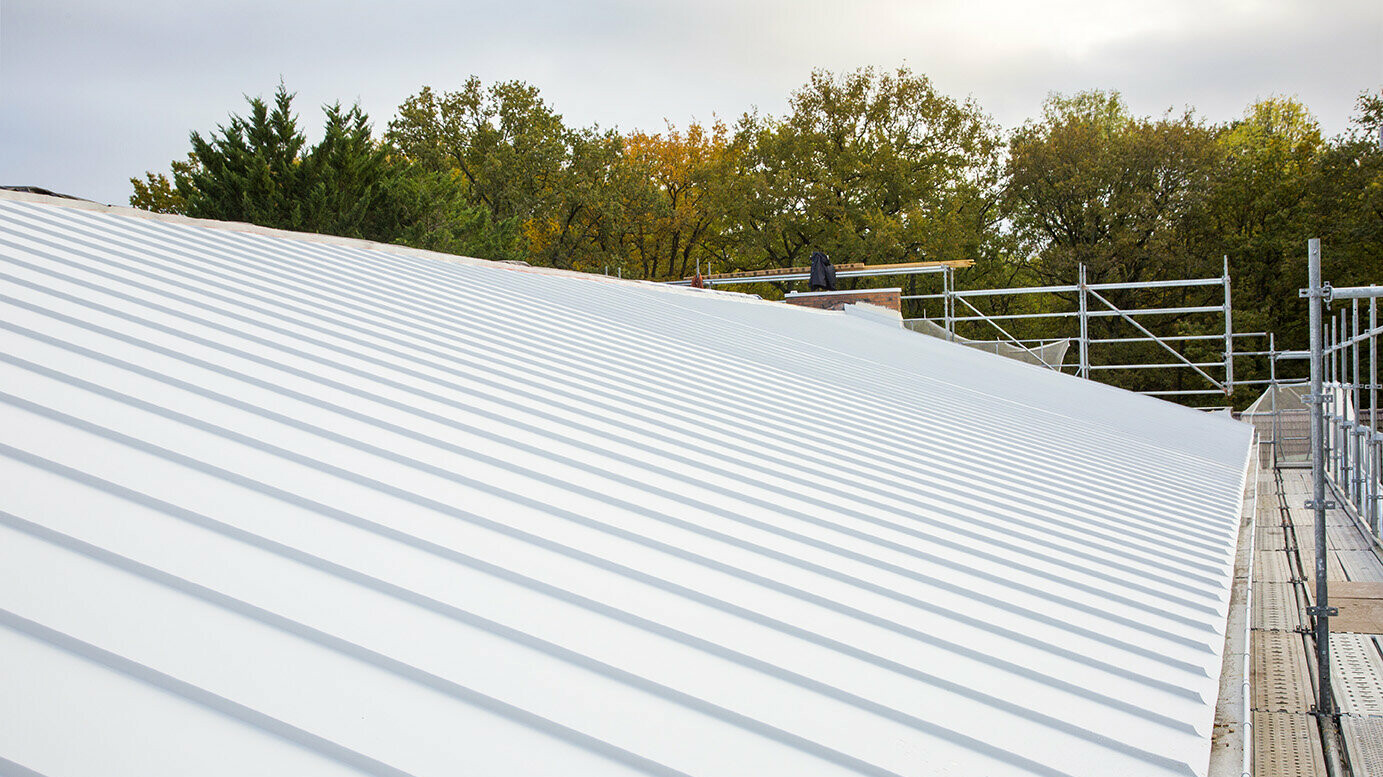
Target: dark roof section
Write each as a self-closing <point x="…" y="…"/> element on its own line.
<point x="43" y="191"/>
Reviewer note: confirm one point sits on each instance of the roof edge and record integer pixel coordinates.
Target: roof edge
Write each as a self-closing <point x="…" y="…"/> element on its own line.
<point x="237" y="226"/>
<point x="315" y="237"/>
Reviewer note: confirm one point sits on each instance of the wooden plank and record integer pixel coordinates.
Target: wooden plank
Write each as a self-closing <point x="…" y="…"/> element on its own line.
<point x="1361" y="565"/>
<point x="1361" y="607"/>
<point x="783" y="271"/>
<point x="957" y="263"/>
<point x="772" y="271"/>
<point x="1357" y="616"/>
<point x="1357" y="590"/>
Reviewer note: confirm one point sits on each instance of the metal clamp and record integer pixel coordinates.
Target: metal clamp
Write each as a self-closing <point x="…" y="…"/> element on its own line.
<point x="1318" y="611"/>
<point x="1326" y="293"/>
<point x="1311" y="504"/>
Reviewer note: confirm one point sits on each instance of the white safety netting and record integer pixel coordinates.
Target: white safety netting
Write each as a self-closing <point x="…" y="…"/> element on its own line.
<point x="1281" y="414"/>
<point x="1051" y="354"/>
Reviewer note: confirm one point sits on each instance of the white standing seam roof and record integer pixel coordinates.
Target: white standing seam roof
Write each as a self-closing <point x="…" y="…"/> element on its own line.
<point x="276" y="504"/>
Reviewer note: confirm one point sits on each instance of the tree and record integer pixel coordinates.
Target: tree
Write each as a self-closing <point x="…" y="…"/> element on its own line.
<point x="581" y="215"/>
<point x="250" y="169"/>
<point x="506" y="143"/>
<point x="259" y="169"/>
<point x="1347" y="196"/>
<point x="1090" y="184"/>
<point x="157" y="194"/>
<point x="523" y="165"/>
<point x="1258" y="210"/>
<point x="673" y="198"/>
<point x="868" y="166"/>
<point x="349" y="186"/>
<point x="441" y="217"/>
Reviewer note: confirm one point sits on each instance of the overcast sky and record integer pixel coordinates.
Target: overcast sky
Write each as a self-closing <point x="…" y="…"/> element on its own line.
<point x="93" y="92"/>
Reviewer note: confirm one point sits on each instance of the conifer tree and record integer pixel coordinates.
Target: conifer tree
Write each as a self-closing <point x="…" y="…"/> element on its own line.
<point x="250" y="169"/>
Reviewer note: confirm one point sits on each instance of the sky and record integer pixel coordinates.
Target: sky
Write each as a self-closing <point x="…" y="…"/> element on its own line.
<point x="93" y="92"/>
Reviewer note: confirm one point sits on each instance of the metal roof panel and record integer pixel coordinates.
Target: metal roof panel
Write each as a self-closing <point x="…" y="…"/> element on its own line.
<point x="349" y="508"/>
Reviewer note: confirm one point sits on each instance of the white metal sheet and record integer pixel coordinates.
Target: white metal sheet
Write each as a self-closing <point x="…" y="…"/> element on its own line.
<point x="427" y="516"/>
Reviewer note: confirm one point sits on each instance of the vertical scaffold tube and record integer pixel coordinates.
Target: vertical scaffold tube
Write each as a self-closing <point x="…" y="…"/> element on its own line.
<point x="1272" y="387"/>
<point x="1324" y="702"/>
<point x="1229" y="336"/>
<point x="1356" y="442"/>
<point x="1084" y="328"/>
<point x="1372" y="436"/>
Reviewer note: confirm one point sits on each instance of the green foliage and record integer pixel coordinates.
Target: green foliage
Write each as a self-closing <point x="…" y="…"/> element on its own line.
<point x="1347" y="197"/>
<point x="520" y="164"/>
<point x="1258" y="210"/>
<point x="350" y="188"/>
<point x="156" y="195"/>
<point x="673" y="193"/>
<point x="259" y="169"/>
<point x="868" y="166"/>
<point x="442" y="218"/>
<point x="505" y="141"/>
<point x="250" y="169"/>
<point x="1090" y="184"/>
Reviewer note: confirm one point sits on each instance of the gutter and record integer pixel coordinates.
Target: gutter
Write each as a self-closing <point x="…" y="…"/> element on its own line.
<point x="1246" y="722"/>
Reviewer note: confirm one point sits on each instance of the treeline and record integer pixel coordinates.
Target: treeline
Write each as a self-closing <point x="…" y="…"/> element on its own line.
<point x="868" y="166"/>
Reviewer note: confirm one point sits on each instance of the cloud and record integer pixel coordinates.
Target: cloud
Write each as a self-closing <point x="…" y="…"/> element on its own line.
<point x="92" y="93"/>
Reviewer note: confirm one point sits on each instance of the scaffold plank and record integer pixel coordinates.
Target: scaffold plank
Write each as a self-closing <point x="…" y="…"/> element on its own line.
<point x="1334" y="568"/>
<point x="1271" y="566"/>
<point x="1304" y="517"/>
<point x="1275" y="607"/>
<point x="1361" y="565"/>
<point x="1270" y="538"/>
<point x="1359" y="616"/>
<point x="1356" y="674"/>
<point x="1280" y="680"/>
<point x="1286" y="744"/>
<point x="1364" y="743"/>
<point x="1346" y="538"/>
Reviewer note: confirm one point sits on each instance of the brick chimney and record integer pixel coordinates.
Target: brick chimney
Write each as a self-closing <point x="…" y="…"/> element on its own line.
<point x="837" y="300"/>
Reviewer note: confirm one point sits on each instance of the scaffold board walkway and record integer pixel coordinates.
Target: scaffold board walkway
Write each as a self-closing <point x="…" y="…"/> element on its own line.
<point x="1286" y="740"/>
<point x="1355" y="573"/>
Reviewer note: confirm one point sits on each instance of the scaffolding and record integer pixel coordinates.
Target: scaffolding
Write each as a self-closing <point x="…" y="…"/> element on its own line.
<point x="1092" y="301"/>
<point x="1328" y="424"/>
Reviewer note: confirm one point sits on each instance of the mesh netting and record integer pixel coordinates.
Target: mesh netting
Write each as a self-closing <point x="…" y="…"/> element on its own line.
<point x="1051" y="354"/>
<point x="1293" y="428"/>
